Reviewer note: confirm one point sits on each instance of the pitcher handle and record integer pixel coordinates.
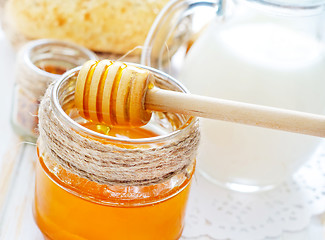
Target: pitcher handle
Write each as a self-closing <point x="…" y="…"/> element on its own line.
<point x="171" y="29"/>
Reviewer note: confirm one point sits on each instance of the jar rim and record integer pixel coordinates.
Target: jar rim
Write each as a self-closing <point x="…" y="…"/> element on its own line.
<point x="66" y="119"/>
<point x="32" y="45"/>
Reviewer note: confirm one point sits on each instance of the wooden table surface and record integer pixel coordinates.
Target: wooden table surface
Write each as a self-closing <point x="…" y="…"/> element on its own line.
<point x="17" y="161"/>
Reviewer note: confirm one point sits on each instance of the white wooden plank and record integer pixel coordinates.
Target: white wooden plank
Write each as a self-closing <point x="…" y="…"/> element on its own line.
<point x="17" y="221"/>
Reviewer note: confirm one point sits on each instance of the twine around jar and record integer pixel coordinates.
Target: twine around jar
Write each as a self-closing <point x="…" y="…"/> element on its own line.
<point x="111" y="163"/>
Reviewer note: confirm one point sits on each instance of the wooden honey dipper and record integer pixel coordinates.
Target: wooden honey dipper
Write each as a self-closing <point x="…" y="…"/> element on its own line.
<point x="114" y="93"/>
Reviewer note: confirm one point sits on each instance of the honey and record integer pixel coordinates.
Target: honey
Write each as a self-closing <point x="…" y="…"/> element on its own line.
<point x="53" y="69"/>
<point x="148" y="212"/>
<point x="96" y="200"/>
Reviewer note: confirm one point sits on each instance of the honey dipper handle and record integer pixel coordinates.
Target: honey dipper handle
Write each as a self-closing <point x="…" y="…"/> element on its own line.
<point x="231" y="111"/>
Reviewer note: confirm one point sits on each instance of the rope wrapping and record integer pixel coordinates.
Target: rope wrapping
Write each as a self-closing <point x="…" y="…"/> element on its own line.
<point x="114" y="163"/>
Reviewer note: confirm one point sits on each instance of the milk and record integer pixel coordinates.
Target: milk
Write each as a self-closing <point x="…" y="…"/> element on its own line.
<point x="262" y="63"/>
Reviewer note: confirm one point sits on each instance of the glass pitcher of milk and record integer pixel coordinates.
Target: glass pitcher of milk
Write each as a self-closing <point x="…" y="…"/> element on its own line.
<point x="268" y="52"/>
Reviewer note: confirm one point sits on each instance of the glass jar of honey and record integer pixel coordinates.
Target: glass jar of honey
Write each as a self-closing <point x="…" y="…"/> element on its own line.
<point x="99" y="182"/>
<point x="39" y="63"/>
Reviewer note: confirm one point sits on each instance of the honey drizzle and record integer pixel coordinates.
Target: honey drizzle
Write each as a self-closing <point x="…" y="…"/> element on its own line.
<point x="87" y="89"/>
<point x="128" y="100"/>
<point x="100" y="91"/>
<point x="114" y="93"/>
